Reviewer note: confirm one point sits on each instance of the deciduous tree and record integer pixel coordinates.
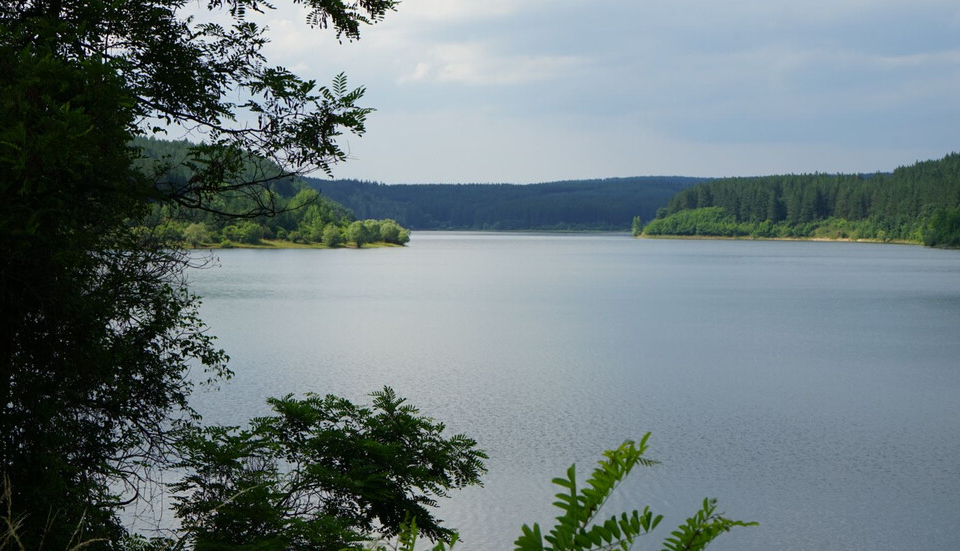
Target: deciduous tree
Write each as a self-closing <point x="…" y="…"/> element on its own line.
<point x="359" y="233"/>
<point x="99" y="335"/>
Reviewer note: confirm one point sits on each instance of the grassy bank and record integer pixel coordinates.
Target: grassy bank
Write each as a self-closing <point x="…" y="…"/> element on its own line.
<point x="758" y="238"/>
<point x="284" y="244"/>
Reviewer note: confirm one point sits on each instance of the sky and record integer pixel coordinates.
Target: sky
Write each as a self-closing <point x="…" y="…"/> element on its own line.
<point x="524" y="91"/>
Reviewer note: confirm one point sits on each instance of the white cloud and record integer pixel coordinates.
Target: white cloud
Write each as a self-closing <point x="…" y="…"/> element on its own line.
<point x="931" y="59"/>
<point x="475" y="64"/>
<point x="420" y="72"/>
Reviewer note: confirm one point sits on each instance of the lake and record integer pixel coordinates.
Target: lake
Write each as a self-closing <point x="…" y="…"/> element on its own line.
<point x="813" y="387"/>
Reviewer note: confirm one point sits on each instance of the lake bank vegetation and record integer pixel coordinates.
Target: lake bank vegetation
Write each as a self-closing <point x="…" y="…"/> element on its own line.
<point x="285" y="213"/>
<point x="916" y="204"/>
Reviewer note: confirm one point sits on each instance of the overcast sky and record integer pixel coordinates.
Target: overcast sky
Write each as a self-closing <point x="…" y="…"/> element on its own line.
<point x="536" y="90"/>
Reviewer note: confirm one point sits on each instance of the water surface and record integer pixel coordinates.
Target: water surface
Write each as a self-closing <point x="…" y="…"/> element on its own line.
<point x="813" y="387"/>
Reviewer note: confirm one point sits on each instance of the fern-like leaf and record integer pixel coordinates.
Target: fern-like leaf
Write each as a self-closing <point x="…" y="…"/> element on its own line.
<point x="701" y="529"/>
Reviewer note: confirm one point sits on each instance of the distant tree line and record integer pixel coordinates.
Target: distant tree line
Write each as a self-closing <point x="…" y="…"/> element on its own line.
<point x="608" y="204"/>
<point x="920" y="203"/>
<point x="297" y="212"/>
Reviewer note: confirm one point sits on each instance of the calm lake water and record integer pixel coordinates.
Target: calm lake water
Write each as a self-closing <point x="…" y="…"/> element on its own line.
<point x="813" y="387"/>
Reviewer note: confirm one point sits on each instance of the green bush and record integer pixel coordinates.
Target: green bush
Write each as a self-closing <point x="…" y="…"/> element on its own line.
<point x="943" y="230"/>
<point x="332" y="235"/>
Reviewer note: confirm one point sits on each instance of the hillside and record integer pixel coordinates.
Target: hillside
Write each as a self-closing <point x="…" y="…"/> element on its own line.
<point x="608" y="204"/>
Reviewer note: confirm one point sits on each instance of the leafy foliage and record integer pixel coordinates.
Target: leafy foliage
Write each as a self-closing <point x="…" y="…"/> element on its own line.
<point x="701" y="529"/>
<point x="99" y="332"/>
<point x="323" y="473"/>
<point x="99" y="337"/>
<point x="705" y="221"/>
<point x="578" y="527"/>
<point x="360" y="233"/>
<point x="943" y="230"/>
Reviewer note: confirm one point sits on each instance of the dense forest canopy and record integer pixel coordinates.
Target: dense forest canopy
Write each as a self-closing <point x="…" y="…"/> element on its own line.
<point x="916" y="203"/>
<point x="608" y="204"/>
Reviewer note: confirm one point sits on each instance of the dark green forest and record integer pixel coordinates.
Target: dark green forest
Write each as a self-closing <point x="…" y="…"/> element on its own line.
<point x="919" y="203"/>
<point x="607" y="204"/>
<point x="286" y="209"/>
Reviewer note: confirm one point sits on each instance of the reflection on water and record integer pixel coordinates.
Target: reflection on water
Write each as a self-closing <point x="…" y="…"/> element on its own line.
<point x="813" y="387"/>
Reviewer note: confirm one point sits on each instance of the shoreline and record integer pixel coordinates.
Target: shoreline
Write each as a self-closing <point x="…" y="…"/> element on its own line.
<point x="751" y="238"/>
<point x="279" y="244"/>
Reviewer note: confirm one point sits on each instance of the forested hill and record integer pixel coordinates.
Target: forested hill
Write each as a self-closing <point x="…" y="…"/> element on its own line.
<point x="916" y="203"/>
<point x="608" y="204"/>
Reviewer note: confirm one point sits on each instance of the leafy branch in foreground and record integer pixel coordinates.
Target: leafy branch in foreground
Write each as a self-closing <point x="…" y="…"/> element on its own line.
<point x="321" y="473"/>
<point x="578" y="528"/>
<point x="701" y="529"/>
<point x="100" y="333"/>
<point x="575" y="528"/>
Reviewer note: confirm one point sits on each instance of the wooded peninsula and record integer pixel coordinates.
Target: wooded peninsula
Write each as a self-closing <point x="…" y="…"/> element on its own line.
<point x="915" y="204"/>
<point x="298" y="216"/>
